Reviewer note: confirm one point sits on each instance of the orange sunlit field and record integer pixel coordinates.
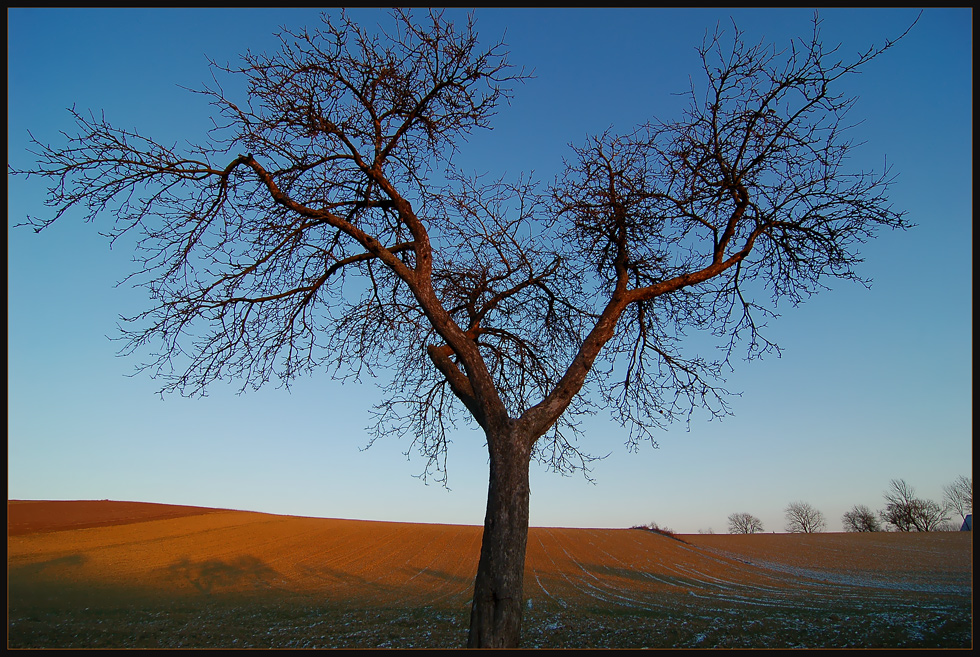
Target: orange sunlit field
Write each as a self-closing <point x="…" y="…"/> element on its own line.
<point x="122" y="574"/>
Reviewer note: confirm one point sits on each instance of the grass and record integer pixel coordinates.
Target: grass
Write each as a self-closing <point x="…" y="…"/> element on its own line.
<point x="71" y="618"/>
<point x="232" y="623"/>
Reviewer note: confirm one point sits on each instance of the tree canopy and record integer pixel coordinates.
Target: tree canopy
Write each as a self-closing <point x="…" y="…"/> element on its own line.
<point x="337" y="165"/>
<point x="322" y="224"/>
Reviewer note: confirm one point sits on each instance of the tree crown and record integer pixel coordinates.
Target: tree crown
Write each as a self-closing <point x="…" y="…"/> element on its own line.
<point x="322" y="224"/>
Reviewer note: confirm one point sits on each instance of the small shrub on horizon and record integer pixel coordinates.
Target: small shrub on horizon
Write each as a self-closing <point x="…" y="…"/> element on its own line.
<point x="657" y="529"/>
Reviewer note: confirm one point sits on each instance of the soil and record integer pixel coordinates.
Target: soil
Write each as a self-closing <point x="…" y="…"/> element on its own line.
<point x="31" y="517"/>
<point x="124" y="574"/>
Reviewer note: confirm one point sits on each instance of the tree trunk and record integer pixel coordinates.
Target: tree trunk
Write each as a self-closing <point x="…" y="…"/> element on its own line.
<point x="498" y="597"/>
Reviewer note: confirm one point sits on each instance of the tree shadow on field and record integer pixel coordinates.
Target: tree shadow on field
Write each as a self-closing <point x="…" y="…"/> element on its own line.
<point x="206" y="576"/>
<point x="49" y="567"/>
<point x="404" y="584"/>
<point x="345" y="583"/>
<point x="31" y="580"/>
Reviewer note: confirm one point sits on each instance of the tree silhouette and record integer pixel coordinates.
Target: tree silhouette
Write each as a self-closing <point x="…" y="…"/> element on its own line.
<point x="744" y="523"/>
<point x="908" y="513"/>
<point x="958" y="496"/>
<point x="860" y="519"/>
<point x="322" y="224"/>
<point x="802" y="518"/>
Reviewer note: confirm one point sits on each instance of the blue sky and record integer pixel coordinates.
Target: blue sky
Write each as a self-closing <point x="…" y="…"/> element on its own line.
<point x="872" y="385"/>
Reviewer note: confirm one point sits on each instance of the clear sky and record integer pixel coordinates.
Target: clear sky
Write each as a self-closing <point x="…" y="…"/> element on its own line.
<point x="872" y="384"/>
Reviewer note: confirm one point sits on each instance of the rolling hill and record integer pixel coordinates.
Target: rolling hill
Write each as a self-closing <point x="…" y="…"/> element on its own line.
<point x="127" y="574"/>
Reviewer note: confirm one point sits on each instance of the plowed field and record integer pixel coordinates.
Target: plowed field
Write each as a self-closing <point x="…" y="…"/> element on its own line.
<point x="121" y="574"/>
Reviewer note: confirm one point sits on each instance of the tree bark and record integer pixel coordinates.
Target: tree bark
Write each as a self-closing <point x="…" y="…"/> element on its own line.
<point x="498" y="597"/>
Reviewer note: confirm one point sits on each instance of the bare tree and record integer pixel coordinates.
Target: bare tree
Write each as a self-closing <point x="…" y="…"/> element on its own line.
<point x="744" y="523"/>
<point x="801" y="518"/>
<point x="907" y="513"/>
<point x="322" y="224"/>
<point x="958" y="496"/>
<point x="860" y="519"/>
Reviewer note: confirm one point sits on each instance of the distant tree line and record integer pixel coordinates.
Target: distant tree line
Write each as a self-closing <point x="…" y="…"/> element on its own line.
<point x="906" y="512"/>
<point x="903" y="512"/>
<point x="801" y="518"/>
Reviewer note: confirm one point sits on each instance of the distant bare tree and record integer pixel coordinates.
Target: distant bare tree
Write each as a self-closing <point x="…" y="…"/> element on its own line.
<point x="907" y="513"/>
<point x="801" y="518"/>
<point x="322" y="225"/>
<point x="744" y="523"/>
<point x="860" y="519"/>
<point x="958" y="496"/>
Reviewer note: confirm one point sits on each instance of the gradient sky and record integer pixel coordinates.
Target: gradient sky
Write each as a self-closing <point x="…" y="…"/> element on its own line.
<point x="872" y="384"/>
